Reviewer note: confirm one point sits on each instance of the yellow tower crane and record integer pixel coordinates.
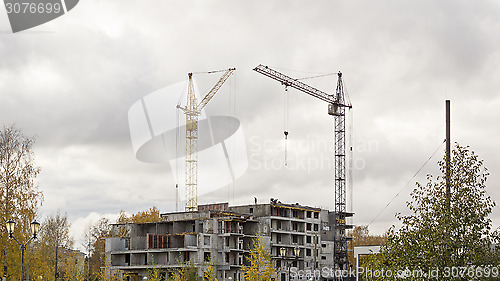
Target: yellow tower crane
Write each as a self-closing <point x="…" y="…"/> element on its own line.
<point x="192" y="110"/>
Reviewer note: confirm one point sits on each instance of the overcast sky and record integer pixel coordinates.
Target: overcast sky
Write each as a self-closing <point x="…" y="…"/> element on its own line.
<point x="71" y="82"/>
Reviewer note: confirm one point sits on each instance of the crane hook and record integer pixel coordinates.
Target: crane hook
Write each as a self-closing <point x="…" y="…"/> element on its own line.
<point x="286" y="153"/>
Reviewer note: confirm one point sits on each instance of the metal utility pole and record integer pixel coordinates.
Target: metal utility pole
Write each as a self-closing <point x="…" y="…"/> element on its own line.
<point x="336" y="107"/>
<point x="55" y="266"/>
<point x="448" y="155"/>
<point x="192" y="112"/>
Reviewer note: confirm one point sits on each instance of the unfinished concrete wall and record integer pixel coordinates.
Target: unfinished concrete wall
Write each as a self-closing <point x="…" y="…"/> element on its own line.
<point x="264" y="226"/>
<point x="138" y="243"/>
<point x="251" y="228"/>
<point x="115" y="244"/>
<point x="177" y="241"/>
<point x="209" y="226"/>
<point x="258" y="210"/>
<point x="190" y="241"/>
<point x="180" y="227"/>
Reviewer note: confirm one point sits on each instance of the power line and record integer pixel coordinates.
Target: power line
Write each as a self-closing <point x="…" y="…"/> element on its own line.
<point x="427" y="161"/>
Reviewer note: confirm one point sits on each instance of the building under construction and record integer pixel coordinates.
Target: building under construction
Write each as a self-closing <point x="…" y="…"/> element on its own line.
<point x="301" y="240"/>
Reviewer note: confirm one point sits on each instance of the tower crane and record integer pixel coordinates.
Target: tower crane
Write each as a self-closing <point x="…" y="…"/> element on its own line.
<point x="336" y="107"/>
<point x="192" y="110"/>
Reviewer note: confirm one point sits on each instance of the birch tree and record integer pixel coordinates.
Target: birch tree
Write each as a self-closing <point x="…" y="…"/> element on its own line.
<point x="261" y="265"/>
<point x="53" y="252"/>
<point x="95" y="246"/>
<point x="19" y="194"/>
<point x="434" y="236"/>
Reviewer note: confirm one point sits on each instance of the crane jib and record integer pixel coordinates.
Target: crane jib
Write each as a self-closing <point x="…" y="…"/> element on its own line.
<point x="295" y="83"/>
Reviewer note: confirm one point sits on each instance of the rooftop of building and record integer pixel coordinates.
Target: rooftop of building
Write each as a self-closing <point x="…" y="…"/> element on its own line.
<point x="220" y="210"/>
<point x="224" y="208"/>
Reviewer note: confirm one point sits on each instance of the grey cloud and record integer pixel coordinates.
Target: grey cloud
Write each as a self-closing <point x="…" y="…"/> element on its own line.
<point x="73" y="86"/>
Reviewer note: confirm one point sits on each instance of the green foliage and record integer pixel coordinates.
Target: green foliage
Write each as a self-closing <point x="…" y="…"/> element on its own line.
<point x="433" y="236"/>
<point x="262" y="266"/>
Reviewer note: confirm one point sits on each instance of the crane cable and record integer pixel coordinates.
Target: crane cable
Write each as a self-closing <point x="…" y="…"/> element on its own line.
<point x="317" y="76"/>
<point x="231" y="127"/>
<point x="177" y="141"/>
<point x="209" y="72"/>
<point x="285" y="120"/>
<point x="351" y="160"/>
<point x="177" y="148"/>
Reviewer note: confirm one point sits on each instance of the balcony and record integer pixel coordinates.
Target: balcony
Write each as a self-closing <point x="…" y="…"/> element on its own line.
<point x="231" y="230"/>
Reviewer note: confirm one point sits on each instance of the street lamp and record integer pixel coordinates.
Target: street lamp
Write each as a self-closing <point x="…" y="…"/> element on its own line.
<point x="282" y="252"/>
<point x="10" y="225"/>
<point x="296" y="253"/>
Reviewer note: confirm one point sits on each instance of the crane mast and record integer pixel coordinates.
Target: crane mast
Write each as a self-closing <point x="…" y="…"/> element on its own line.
<point x="191" y="148"/>
<point x="192" y="110"/>
<point x="336" y="108"/>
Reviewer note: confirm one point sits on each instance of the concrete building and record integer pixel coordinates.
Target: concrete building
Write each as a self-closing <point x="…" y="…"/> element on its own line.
<point x="224" y="235"/>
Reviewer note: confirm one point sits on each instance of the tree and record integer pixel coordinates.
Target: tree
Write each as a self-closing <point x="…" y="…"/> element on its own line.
<point x="73" y="266"/>
<point x="435" y="237"/>
<point x="95" y="247"/>
<point x="55" y="234"/>
<point x="261" y="265"/>
<point x="362" y="237"/>
<point x="151" y="215"/>
<point x="186" y="272"/>
<point x="154" y="274"/>
<point x="19" y="194"/>
<point x="210" y="274"/>
<point x="53" y="248"/>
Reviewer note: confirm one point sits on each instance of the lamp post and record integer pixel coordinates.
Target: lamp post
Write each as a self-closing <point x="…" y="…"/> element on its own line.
<point x="296" y="253"/>
<point x="283" y="255"/>
<point x="35" y="226"/>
